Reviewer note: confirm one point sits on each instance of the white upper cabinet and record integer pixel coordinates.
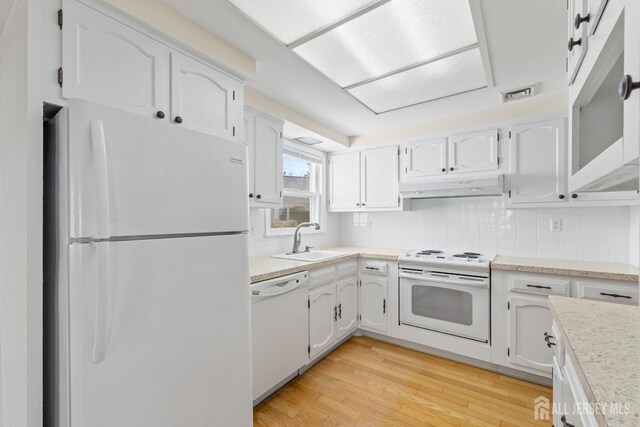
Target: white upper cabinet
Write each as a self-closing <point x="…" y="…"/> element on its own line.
<point x="268" y="160"/>
<point x="473" y="152"/>
<point x="423" y="159"/>
<point x="344" y="182"/>
<point x="110" y="60"/>
<point x="538" y="167"/>
<point x="379" y="178"/>
<point x="110" y="63"/>
<point x="577" y="37"/>
<point x="373" y="303"/>
<point x="204" y="99"/>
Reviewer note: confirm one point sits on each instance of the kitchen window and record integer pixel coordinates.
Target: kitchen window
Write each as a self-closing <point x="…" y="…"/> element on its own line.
<point x="302" y="172"/>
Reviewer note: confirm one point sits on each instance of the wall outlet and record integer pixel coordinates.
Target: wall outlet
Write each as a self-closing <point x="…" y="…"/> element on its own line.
<point x="555" y="225"/>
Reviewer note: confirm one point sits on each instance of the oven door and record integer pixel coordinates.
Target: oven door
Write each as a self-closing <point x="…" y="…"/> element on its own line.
<point x="449" y="303"/>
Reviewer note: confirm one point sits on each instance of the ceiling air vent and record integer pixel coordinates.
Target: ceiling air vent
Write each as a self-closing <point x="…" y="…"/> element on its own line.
<point x="516" y="94"/>
<point x="307" y="140"/>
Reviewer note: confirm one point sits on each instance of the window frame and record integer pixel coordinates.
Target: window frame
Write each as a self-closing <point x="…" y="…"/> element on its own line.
<point x="316" y="197"/>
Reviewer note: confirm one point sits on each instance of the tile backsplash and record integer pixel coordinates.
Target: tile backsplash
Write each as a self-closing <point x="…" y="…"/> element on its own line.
<point x="608" y="234"/>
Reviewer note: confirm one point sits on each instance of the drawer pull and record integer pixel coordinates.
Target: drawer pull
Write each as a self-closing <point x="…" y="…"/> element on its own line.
<point x="538" y="286"/>
<point x="604" y="294"/>
<point x="565" y="423"/>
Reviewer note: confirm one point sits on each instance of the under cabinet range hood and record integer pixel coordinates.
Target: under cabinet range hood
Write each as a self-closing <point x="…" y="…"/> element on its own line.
<point x="454" y="187"/>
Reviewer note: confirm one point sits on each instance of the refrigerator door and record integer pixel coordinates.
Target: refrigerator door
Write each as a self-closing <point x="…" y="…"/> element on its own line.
<point x="136" y="176"/>
<point x="159" y="334"/>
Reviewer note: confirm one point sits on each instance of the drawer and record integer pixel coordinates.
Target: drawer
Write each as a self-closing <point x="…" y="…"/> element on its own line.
<point x="322" y="276"/>
<point x="603" y="291"/>
<point x="374" y="267"/>
<point x="347" y="269"/>
<point x="533" y="284"/>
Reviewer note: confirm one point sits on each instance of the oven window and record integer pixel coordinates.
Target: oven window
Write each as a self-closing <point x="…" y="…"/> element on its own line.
<point x="444" y="304"/>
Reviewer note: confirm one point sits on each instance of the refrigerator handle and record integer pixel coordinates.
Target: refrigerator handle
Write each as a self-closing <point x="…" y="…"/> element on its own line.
<point x="104" y="305"/>
<point x="99" y="148"/>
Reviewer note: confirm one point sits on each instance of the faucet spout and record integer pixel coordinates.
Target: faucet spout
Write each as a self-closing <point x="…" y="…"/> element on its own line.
<point x="296" y="235"/>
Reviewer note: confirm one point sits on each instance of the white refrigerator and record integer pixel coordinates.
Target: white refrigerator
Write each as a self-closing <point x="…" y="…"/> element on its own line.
<point x="148" y="305"/>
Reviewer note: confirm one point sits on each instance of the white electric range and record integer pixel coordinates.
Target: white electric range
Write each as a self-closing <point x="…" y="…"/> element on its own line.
<point x="446" y="292"/>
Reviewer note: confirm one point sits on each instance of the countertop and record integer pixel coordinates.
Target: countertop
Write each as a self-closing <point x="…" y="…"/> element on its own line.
<point x="601" y="339"/>
<point x="597" y="270"/>
<point x="270" y="268"/>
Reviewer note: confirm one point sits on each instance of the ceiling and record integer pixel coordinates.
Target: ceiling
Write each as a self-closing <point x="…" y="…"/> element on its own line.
<point x="521" y="42"/>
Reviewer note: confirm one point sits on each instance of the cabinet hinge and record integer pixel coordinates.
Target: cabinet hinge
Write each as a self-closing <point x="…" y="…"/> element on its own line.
<point x="405" y="150"/>
<point x="281" y="194"/>
<point x="406" y="170"/>
<point x="398" y="151"/>
<point x="308" y="303"/>
<point x="498" y="136"/>
<point x="398" y="200"/>
<point x="498" y="161"/>
<point x="60" y="18"/>
<point x="234" y="95"/>
<point x="234" y="131"/>
<point x="508" y="305"/>
<point x="509" y="193"/>
<point x="308" y="349"/>
<point x="508" y="352"/>
<point x="60" y="76"/>
<point x="509" y="134"/>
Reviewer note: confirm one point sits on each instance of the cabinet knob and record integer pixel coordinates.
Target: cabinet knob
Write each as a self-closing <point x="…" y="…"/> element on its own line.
<point x="444" y="170"/>
<point x="580" y="19"/>
<point x="364" y="204"/>
<point x="573" y="43"/>
<point x="626" y="86"/>
<point x="251" y="195"/>
<point x="561" y="196"/>
<point x="451" y="169"/>
<point x="258" y="196"/>
<point x="357" y="204"/>
<point x="178" y="119"/>
<point x="160" y="115"/>
<point x="574" y="196"/>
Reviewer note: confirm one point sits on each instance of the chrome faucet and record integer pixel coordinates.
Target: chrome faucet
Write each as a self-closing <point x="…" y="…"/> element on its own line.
<point x="297" y="239"/>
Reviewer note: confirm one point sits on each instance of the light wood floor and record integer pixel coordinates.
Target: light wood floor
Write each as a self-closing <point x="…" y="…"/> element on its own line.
<point x="366" y="382"/>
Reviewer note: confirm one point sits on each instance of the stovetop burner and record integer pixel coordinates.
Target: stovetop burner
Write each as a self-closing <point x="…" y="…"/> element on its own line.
<point x="429" y="252"/>
<point x="469" y="255"/>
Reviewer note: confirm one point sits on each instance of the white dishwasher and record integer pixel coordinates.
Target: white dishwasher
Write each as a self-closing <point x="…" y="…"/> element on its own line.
<point x="279" y="330"/>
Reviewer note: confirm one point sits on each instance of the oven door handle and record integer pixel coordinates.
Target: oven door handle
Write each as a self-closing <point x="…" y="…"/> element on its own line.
<point x="468" y="282"/>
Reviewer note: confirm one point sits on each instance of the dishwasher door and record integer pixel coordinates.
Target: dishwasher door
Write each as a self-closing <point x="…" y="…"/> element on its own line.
<point x="279" y="330"/>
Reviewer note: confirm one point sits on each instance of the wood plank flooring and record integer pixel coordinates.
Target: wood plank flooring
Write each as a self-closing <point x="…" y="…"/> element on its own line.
<point x="366" y="382"/>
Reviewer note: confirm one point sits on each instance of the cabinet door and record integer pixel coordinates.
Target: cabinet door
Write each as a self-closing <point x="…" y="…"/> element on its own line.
<point x="596" y="8"/>
<point x="268" y="161"/>
<point x="474" y="152"/>
<point x="204" y="98"/>
<point x="576" y="38"/>
<point x="322" y="319"/>
<point x="110" y="63"/>
<point x="347" y="305"/>
<point x="538" y="161"/>
<point x="423" y="159"/>
<point x="379" y="178"/>
<point x="373" y="303"/>
<point x="529" y="319"/>
<point x="631" y="133"/>
<point x="249" y="138"/>
<point x="344" y="181"/>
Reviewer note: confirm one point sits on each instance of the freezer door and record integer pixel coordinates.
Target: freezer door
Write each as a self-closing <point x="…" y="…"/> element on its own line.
<point x="130" y="176"/>
<point x="159" y="334"/>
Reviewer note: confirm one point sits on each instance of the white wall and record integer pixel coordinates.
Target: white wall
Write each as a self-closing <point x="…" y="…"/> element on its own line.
<point x="13" y="218"/>
<point x="634" y="235"/>
<point x="484" y="225"/>
<point x="261" y="245"/>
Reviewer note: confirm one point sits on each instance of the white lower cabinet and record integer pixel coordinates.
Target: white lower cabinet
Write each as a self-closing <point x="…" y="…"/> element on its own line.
<point x="322" y="319"/>
<point x="347" y="299"/>
<point x="373" y="303"/>
<point x="529" y="320"/>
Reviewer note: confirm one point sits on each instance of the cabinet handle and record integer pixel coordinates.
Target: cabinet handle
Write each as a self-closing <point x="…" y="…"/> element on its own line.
<point x="548" y="339"/>
<point x="178" y="119"/>
<point x="335" y="313"/>
<point x="604" y="294"/>
<point x="626" y="86"/>
<point x="339" y="311"/>
<point x="258" y="196"/>
<point x="251" y="195"/>
<point x="444" y="170"/>
<point x="160" y="115"/>
<point x="561" y="196"/>
<point x="573" y="43"/>
<point x="538" y="286"/>
<point x="565" y="423"/>
<point x="384" y="306"/>
<point x="580" y="19"/>
<point x="574" y="196"/>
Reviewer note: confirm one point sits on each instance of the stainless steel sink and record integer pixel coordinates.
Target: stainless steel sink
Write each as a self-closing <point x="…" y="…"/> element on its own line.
<point x="310" y="256"/>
